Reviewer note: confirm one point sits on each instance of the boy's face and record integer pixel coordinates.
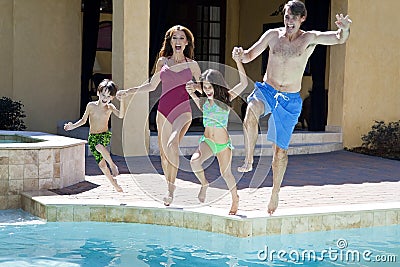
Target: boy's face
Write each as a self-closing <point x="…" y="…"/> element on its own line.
<point x="105" y="97"/>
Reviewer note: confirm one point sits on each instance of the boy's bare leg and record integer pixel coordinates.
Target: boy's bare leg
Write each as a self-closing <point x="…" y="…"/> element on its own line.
<point x="106" y="155"/>
<point x="254" y="110"/>
<point x="225" y="161"/>
<point x="103" y="167"/>
<point x="202" y="154"/>
<point x="279" y="164"/>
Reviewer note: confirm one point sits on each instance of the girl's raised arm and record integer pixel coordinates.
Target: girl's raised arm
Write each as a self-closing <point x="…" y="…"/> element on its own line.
<point x="238" y="89"/>
<point x="191" y="88"/>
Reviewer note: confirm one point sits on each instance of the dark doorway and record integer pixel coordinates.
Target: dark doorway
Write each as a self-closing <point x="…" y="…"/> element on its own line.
<point x="317" y="19"/>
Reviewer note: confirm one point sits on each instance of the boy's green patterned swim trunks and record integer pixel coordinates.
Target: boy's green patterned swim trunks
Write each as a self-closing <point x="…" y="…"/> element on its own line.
<point x="95" y="139"/>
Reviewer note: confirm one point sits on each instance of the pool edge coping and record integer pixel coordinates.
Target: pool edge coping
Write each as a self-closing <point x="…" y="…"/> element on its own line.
<point x="288" y="222"/>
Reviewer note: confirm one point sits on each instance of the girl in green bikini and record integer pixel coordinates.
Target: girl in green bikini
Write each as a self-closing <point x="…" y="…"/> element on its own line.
<point x="216" y="141"/>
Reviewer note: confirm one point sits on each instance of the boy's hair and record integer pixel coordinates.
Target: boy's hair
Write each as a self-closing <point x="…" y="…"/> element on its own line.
<point x="296" y="7"/>
<point x="220" y="87"/>
<point x="166" y="49"/>
<point x="109" y="85"/>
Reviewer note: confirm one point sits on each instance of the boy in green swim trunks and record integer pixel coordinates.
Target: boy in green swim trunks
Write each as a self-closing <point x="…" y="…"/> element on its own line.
<point x="99" y="113"/>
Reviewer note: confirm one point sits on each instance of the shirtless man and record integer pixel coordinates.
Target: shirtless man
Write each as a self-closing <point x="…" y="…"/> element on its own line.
<point x="278" y="94"/>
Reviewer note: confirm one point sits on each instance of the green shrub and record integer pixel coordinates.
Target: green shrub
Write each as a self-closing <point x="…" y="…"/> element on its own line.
<point x="11" y="115"/>
<point x="383" y="137"/>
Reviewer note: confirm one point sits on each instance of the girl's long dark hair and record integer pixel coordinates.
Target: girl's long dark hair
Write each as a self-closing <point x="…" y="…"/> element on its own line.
<point x="220" y="88"/>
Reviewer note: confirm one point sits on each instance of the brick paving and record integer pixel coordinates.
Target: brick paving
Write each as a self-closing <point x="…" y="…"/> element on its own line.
<point x="339" y="178"/>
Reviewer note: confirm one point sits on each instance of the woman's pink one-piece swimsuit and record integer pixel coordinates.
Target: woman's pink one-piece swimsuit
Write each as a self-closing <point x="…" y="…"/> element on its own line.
<point x="174" y="98"/>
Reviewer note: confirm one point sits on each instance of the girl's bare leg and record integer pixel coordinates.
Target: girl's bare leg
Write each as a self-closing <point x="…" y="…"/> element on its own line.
<point x="225" y="160"/>
<point x="103" y="167"/>
<point x="106" y="155"/>
<point x="202" y="153"/>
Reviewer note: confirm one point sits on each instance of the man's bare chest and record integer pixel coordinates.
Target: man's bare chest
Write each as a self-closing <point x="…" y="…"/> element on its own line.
<point x="286" y="49"/>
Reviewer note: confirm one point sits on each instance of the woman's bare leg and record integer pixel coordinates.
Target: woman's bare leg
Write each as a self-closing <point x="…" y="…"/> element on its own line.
<point x="225" y="161"/>
<point x="202" y="153"/>
<point x="169" y="139"/>
<point x="179" y="128"/>
<point x="164" y="129"/>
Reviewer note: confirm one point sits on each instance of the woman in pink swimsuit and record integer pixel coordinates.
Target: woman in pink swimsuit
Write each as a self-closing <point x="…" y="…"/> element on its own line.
<point x="174" y="68"/>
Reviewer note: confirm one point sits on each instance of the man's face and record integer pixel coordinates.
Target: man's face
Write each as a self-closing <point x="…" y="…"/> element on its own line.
<point x="292" y="22"/>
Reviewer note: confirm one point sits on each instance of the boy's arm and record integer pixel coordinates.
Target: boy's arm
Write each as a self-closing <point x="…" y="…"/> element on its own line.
<point x="115" y="111"/>
<point x="122" y="108"/>
<point x="235" y="91"/>
<point x="70" y="126"/>
<point x="334" y="37"/>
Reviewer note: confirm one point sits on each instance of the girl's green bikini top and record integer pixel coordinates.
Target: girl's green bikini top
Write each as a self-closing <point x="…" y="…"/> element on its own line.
<point x="215" y="116"/>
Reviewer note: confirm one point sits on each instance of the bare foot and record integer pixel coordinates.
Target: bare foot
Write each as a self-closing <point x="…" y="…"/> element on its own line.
<point x="273" y="203"/>
<point x="114" y="170"/>
<point x="235" y="206"/>
<point x="119" y="189"/>
<point x="246" y="167"/>
<point x="202" y="193"/>
<point x="168" y="199"/>
<point x="116" y="186"/>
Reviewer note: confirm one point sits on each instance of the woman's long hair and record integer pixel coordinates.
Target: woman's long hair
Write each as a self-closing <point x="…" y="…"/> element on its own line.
<point x="166" y="49"/>
<point x="220" y="87"/>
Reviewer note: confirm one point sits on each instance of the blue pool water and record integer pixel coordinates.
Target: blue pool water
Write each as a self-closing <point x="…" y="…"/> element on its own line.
<point x="28" y="241"/>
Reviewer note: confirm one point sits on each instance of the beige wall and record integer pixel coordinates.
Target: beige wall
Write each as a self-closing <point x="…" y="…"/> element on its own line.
<point x="44" y="58"/>
<point x="6" y="48"/>
<point x="367" y="80"/>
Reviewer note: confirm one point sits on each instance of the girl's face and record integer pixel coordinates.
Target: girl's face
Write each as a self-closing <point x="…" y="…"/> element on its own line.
<point x="208" y="90"/>
<point x="178" y="41"/>
<point x="104" y="97"/>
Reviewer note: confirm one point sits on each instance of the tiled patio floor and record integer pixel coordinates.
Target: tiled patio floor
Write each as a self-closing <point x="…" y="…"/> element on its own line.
<point x="357" y="190"/>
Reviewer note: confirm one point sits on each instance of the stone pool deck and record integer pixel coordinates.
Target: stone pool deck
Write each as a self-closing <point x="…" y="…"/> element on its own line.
<point x="320" y="192"/>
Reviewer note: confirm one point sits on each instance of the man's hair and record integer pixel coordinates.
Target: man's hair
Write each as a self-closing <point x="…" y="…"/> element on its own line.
<point x="296" y="7"/>
<point x="109" y="85"/>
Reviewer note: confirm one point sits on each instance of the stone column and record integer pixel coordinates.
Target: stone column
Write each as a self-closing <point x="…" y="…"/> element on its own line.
<point x="131" y="30"/>
<point x="336" y="73"/>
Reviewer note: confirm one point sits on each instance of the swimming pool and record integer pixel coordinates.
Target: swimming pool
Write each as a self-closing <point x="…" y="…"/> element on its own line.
<point x="28" y="241"/>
